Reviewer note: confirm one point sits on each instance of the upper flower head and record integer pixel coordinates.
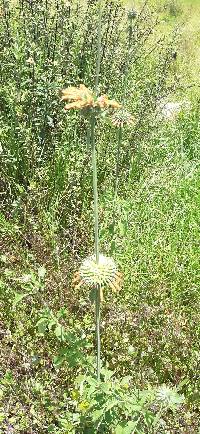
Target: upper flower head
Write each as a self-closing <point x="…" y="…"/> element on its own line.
<point x="82" y="98"/>
<point x="79" y="97"/>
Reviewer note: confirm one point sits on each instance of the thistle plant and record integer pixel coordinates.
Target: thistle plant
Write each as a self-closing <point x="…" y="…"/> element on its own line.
<point x="96" y="271"/>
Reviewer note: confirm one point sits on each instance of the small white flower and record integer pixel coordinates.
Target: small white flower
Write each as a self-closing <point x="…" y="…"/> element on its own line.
<point x="171" y="109"/>
<point x="122" y="117"/>
<point x="169" y="396"/>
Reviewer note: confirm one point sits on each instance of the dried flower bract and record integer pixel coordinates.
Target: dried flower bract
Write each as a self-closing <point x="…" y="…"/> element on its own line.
<point x="103" y="102"/>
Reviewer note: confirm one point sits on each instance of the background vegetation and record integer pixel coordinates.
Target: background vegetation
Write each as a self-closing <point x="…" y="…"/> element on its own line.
<point x="150" y="330"/>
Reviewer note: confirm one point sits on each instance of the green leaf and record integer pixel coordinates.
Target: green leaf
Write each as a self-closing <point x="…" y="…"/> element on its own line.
<point x="20" y="188"/>
<point x="18" y="297"/>
<point x="111" y="228"/>
<point x="107" y="373"/>
<point x="122" y="229"/>
<point x="51" y="428"/>
<point x="42" y="324"/>
<point x="126" y="429"/>
<point x="59" y="332"/>
<point x="97" y="414"/>
<point x="59" y="360"/>
<point x="126" y="380"/>
<point x="2" y="417"/>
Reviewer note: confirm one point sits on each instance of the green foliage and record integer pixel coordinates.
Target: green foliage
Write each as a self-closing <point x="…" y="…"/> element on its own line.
<point x="173" y="7"/>
<point x="74" y="341"/>
<point x="46" y="48"/>
<point x="112" y="406"/>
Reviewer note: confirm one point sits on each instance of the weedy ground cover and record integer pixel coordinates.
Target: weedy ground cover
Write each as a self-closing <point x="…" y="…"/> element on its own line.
<point x="148" y="179"/>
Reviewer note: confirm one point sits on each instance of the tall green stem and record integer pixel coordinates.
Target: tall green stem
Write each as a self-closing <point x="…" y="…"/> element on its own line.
<point x="98" y="62"/>
<point x="95" y="192"/>
<point x="119" y="139"/>
<point x="125" y="86"/>
<point x="96" y="226"/>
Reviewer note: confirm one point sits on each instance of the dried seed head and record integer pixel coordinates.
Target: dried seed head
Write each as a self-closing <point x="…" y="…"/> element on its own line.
<point x="103" y="102"/>
<point x="79" y="98"/>
<point x="121" y="118"/>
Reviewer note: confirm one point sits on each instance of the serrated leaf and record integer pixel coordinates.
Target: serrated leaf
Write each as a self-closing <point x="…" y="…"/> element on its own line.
<point x="126" y="429"/>
<point x="97" y="414"/>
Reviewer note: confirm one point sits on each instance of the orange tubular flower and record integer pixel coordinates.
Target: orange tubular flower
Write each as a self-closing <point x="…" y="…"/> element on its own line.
<point x="104" y="102"/>
<point x="79" y="98"/>
<point x="113" y="104"/>
<point x="79" y="105"/>
<point x="82" y="98"/>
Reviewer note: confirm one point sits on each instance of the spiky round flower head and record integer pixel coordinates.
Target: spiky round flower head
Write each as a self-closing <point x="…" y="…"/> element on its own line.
<point x="132" y="13"/>
<point x="104" y="273"/>
<point x="122" y="117"/>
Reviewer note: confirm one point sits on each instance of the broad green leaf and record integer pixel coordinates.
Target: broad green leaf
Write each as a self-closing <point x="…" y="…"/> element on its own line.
<point x="59" y="360"/>
<point x="97" y="414"/>
<point x="126" y="429"/>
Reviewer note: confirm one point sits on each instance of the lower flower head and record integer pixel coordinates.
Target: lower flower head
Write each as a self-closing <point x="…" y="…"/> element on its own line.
<point x="103" y="273"/>
<point x="132" y="13"/>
